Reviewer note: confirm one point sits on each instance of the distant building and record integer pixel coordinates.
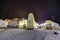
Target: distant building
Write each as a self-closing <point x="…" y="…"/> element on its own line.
<point x="31" y="24"/>
<point x="50" y="25"/>
<point x="3" y="23"/>
<point x="12" y="24"/>
<point x="56" y="26"/>
<point x="8" y="20"/>
<point x="22" y="23"/>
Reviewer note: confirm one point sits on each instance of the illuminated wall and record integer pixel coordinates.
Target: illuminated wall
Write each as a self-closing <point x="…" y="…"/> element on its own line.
<point x="31" y="21"/>
<point x="22" y="23"/>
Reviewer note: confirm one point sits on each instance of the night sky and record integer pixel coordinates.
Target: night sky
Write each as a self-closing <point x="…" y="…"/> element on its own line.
<point x="42" y="9"/>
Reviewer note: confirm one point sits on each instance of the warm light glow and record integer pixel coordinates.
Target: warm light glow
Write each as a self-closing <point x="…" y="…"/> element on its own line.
<point x="22" y="23"/>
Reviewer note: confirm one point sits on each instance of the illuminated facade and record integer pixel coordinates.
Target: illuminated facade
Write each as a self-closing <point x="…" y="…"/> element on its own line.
<point x="3" y="23"/>
<point x="31" y="24"/>
<point x="22" y="23"/>
<point x="50" y="25"/>
<point x="47" y="25"/>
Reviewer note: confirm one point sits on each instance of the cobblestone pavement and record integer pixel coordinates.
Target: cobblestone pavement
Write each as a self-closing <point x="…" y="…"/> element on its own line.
<point x="52" y="35"/>
<point x="21" y="34"/>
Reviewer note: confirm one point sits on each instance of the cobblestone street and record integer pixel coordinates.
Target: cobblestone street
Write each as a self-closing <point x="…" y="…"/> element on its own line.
<point x="22" y="34"/>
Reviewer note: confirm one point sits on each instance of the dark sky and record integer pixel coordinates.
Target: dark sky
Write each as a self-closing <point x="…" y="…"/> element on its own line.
<point x="42" y="9"/>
